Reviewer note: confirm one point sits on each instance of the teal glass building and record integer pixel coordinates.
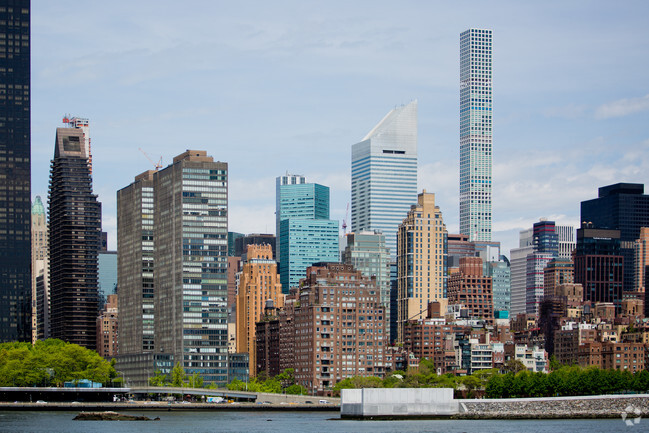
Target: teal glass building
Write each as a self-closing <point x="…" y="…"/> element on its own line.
<point x="305" y="234"/>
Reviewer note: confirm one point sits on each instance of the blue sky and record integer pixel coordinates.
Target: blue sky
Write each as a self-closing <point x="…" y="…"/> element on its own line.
<point x="271" y="87"/>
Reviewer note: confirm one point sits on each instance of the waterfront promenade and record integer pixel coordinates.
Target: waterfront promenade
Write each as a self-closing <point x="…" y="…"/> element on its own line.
<point x="168" y="406"/>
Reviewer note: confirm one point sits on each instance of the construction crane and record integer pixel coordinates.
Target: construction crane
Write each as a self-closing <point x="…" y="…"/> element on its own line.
<point x="345" y="220"/>
<point x="157" y="165"/>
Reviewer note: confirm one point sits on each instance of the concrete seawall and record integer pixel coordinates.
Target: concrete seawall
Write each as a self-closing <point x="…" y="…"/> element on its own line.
<point x="417" y="403"/>
<point x="601" y="406"/>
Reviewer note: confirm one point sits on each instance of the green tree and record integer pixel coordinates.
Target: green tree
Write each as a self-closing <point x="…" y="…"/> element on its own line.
<point x="159" y="379"/>
<point x="51" y="362"/>
<point x="195" y="381"/>
<point x="295" y="389"/>
<point x="514" y="366"/>
<point x="178" y="376"/>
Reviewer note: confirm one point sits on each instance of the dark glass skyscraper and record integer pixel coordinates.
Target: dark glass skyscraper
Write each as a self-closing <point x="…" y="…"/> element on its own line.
<point x="599" y="265"/>
<point x="545" y="238"/>
<point x="74" y="241"/>
<point x="623" y="207"/>
<point x="15" y="174"/>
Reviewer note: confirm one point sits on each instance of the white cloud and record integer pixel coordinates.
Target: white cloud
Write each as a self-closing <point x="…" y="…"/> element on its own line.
<point x="622" y="107"/>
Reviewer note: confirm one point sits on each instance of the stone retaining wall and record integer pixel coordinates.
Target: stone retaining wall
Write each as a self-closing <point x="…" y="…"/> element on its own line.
<point x="560" y="407"/>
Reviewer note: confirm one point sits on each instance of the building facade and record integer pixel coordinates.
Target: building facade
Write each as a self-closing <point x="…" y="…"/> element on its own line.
<point x="367" y="252"/>
<point x="190" y="255"/>
<point x="337" y="328"/>
<point x="108" y="329"/>
<point x="567" y="241"/>
<point x="40" y="272"/>
<point x="557" y="272"/>
<point x="421" y="261"/>
<point x="305" y="234"/>
<point x="74" y="242"/>
<point x="267" y="346"/>
<point x="135" y="264"/>
<point x="15" y="172"/>
<point x="304" y="242"/>
<point x="459" y="246"/>
<point x="241" y="242"/>
<point x="500" y="273"/>
<point x="472" y="289"/>
<point x="476" y="110"/>
<point x="599" y="265"/>
<point x="258" y="283"/>
<point x="641" y="260"/>
<point x="384" y="174"/>
<point x="623" y="207"/>
<point x="294" y="198"/>
<point x="535" y="280"/>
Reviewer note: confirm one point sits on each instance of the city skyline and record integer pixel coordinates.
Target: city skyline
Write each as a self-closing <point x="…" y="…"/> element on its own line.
<point x="278" y="93"/>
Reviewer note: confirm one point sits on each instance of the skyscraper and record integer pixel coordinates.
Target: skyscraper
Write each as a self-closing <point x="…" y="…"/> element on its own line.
<point x="40" y="272"/>
<point x="305" y="234"/>
<point x="135" y="265"/>
<point x="258" y="283"/>
<point x="475" y="133"/>
<point x="623" y="207"/>
<point x="599" y="265"/>
<point x="15" y="172"/>
<point x="74" y="242"/>
<point x="641" y="251"/>
<point x="519" y="272"/>
<point x="191" y="250"/>
<point x="421" y="261"/>
<point x="384" y="174"/>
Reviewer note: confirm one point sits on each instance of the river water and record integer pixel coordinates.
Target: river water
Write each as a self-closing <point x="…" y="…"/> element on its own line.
<point x="285" y="422"/>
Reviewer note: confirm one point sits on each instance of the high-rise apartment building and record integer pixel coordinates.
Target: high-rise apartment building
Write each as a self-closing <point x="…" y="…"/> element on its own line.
<point x="470" y="288"/>
<point x="567" y="241"/>
<point x="545" y="238"/>
<point x="74" y="242"/>
<point x="459" y="246"/>
<point x="40" y="271"/>
<point x="258" y="282"/>
<point x="108" y="328"/>
<point x="623" y="207"/>
<point x="15" y="172"/>
<point x="641" y="249"/>
<point x="82" y="124"/>
<point x="135" y="265"/>
<point x="534" y="279"/>
<point x="305" y="234"/>
<point x="500" y="273"/>
<point x="557" y="272"/>
<point x="333" y="328"/>
<point x="366" y="252"/>
<point x="190" y="256"/>
<point x="384" y="174"/>
<point x="538" y="246"/>
<point x="476" y="110"/>
<point x="421" y="261"/>
<point x="519" y="272"/>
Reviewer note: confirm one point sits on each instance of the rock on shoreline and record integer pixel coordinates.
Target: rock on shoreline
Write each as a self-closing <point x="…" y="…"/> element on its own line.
<point x="110" y="416"/>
